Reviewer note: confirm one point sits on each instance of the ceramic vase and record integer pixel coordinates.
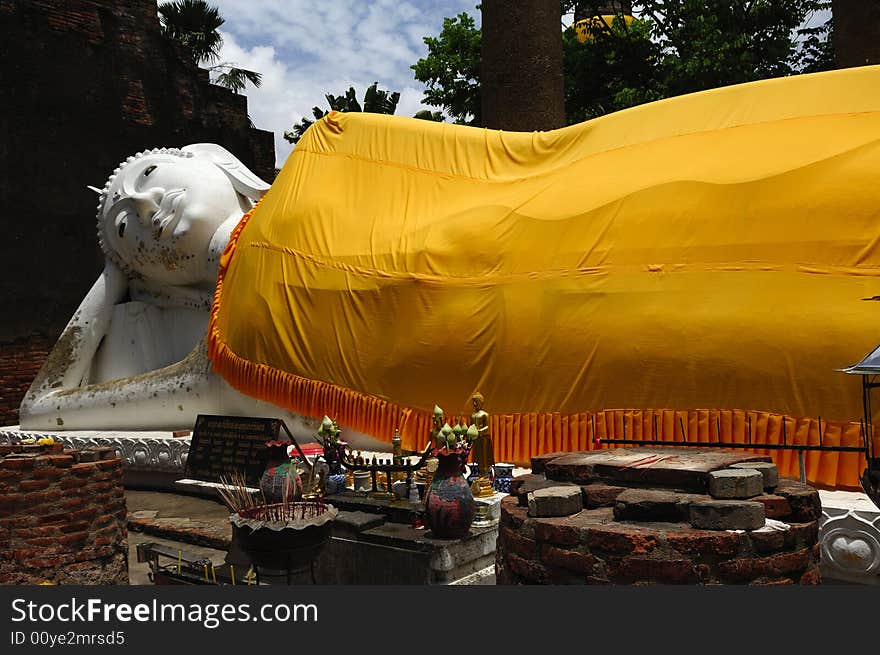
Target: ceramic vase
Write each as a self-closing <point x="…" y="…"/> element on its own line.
<point x="503" y="476"/>
<point x="280" y="476"/>
<point x="473" y="472"/>
<point x="449" y="503"/>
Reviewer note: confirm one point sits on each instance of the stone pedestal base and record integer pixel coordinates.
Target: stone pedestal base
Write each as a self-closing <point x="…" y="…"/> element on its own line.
<point x="488" y="511"/>
<point x="150" y="459"/>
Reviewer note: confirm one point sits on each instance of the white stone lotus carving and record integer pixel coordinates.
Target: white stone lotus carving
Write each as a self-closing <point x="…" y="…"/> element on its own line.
<point x="149" y="453"/>
<point x="850" y="543"/>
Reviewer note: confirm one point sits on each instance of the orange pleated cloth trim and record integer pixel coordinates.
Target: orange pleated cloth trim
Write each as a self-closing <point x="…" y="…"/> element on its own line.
<point x="518" y="437"/>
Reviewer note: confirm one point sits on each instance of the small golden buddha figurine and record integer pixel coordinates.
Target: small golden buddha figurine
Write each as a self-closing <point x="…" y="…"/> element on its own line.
<point x="482" y="488"/>
<point x="483" y="455"/>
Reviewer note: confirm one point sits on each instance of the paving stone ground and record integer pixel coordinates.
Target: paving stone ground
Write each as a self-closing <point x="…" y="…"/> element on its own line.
<point x="165" y="509"/>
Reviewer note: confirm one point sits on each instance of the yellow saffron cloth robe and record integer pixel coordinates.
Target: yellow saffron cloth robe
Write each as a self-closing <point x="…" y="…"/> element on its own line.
<point x="694" y="268"/>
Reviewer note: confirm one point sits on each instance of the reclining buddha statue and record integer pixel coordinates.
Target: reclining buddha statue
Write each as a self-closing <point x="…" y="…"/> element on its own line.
<point x="134" y="354"/>
<point x="697" y="268"/>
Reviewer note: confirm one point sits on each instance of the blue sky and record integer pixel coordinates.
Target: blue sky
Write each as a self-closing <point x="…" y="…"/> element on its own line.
<point x="305" y="49"/>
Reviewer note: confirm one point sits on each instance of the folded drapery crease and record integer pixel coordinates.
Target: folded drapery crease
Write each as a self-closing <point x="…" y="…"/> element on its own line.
<point x="712" y="250"/>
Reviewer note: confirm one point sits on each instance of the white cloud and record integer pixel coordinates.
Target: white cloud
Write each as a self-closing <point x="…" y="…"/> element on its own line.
<point x="307" y="49"/>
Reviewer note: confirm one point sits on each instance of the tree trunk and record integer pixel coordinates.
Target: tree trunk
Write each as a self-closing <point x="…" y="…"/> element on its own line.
<point x="521" y="76"/>
<point x="856" y="32"/>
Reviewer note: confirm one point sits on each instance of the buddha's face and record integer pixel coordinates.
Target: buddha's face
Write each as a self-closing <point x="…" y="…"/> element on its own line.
<point x="478" y="404"/>
<point x="161" y="211"/>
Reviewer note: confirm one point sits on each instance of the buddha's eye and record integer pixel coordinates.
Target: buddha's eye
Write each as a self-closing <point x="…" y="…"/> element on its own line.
<point x="121" y="229"/>
<point x="149" y="170"/>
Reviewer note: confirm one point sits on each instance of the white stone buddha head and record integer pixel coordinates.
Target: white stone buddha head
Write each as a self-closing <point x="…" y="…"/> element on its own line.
<point x="160" y="210"/>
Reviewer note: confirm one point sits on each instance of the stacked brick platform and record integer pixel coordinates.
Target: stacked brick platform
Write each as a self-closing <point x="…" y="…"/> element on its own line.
<point x="650" y="539"/>
<point x="62" y="516"/>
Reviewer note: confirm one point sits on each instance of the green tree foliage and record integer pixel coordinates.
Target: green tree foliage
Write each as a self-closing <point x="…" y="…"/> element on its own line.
<point x="673" y="47"/>
<point x="816" y="51"/>
<point x="376" y="101"/>
<point x="428" y="115"/>
<point x="235" y="78"/>
<point x="195" y="24"/>
<point x="705" y="44"/>
<point x="451" y="69"/>
<point x="615" y="68"/>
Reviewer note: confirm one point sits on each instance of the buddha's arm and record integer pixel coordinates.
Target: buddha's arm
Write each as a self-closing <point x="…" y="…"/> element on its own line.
<point x="70" y="358"/>
<point x="166" y="398"/>
<point x="72" y="354"/>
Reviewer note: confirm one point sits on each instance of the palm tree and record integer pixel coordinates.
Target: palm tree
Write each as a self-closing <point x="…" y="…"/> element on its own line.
<point x="376" y="101"/>
<point x="235" y="78"/>
<point x="194" y="24"/>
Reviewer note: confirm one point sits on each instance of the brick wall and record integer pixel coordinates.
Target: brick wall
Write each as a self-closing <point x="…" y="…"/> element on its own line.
<point x="62" y="517"/>
<point x="84" y="84"/>
<point x="20" y="361"/>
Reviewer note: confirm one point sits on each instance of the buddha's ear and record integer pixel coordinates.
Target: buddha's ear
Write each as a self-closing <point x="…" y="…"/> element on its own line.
<point x="243" y="180"/>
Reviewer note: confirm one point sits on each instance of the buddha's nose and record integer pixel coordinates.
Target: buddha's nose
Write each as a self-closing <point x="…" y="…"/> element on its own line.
<point x="146" y="204"/>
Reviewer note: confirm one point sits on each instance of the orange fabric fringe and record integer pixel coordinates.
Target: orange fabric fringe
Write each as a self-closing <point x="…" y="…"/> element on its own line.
<point x="518" y="437"/>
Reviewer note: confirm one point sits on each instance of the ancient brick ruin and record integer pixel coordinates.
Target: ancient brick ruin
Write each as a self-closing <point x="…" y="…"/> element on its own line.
<point x="657" y="516"/>
<point x="84" y="84"/>
<point x="62" y="516"/>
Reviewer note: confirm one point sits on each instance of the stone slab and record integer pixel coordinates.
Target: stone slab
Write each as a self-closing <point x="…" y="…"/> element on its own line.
<point x="767" y="469"/>
<point x="775" y="507"/>
<point x="654" y="505"/>
<point x="733" y="483"/>
<point x="485" y="576"/>
<point x="555" y="501"/>
<point x="144" y="514"/>
<point x="528" y="479"/>
<point x="351" y="523"/>
<point x="803" y="499"/>
<point x="538" y="462"/>
<point x="600" y="495"/>
<point x="207" y="533"/>
<point x="445" y="555"/>
<point x="394" y="511"/>
<point x="727" y="515"/>
<point x="523" y="485"/>
<point x="685" y="469"/>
